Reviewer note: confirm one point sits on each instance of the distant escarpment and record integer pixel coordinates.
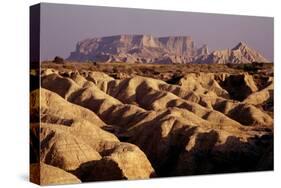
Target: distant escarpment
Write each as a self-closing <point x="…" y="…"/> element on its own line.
<point x="164" y="50"/>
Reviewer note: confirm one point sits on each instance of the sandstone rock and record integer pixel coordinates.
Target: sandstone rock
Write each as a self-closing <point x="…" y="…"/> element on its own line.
<point x="54" y="109"/>
<point x="261" y="96"/>
<point x="80" y="122"/>
<point x="100" y="79"/>
<point x="250" y="115"/>
<point x="203" y="83"/>
<point x="64" y="86"/>
<point x="182" y="129"/>
<point x="122" y="161"/>
<point x="152" y="94"/>
<point x="44" y="174"/>
<point x="48" y="72"/>
<point x="208" y="156"/>
<point x="239" y="86"/>
<point x="61" y="149"/>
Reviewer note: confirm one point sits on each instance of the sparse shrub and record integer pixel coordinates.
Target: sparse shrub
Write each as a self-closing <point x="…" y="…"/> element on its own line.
<point x="91" y="62"/>
<point x="230" y="65"/>
<point x="130" y="71"/>
<point x="250" y="67"/>
<point x="92" y="68"/>
<point x="58" y="59"/>
<point x="68" y="66"/>
<point x="114" y="70"/>
<point x="156" y="72"/>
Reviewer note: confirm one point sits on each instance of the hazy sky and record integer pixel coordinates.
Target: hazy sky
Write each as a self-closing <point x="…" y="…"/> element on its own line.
<point x="62" y="26"/>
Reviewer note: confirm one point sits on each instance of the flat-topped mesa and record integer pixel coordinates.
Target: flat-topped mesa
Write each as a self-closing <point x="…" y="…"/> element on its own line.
<point x="134" y="48"/>
<point x="146" y="48"/>
<point x="105" y="44"/>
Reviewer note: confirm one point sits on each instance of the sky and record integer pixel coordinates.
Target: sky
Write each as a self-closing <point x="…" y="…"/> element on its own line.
<point x="62" y="26"/>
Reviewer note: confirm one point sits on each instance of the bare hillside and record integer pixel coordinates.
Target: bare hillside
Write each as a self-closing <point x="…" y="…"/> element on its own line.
<point x="112" y="121"/>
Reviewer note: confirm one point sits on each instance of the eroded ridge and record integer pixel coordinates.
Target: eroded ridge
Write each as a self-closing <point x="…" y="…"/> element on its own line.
<point x="96" y="127"/>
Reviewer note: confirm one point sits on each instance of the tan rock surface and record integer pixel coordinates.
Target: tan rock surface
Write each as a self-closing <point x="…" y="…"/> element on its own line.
<point x="54" y="109"/>
<point x="62" y="149"/>
<point x="122" y="161"/>
<point x="44" y="174"/>
<point x="192" y="127"/>
<point x="261" y="96"/>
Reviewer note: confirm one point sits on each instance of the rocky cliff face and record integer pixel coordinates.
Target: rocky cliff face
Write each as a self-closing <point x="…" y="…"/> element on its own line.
<point x="241" y="53"/>
<point x="181" y="46"/>
<point x="150" y="49"/>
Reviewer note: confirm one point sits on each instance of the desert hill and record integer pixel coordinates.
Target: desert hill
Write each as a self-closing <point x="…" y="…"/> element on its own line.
<point x="98" y="127"/>
<point x="241" y="53"/>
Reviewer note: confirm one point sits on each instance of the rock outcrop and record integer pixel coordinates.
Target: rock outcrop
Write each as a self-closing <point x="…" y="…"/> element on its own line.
<point x="261" y="96"/>
<point x="44" y="174"/>
<point x="121" y="161"/>
<point x="241" y="53"/>
<point x="198" y="125"/>
<point x="52" y="108"/>
<point x="61" y="149"/>
<point x="76" y="141"/>
<point x="134" y="49"/>
<point x="164" y="50"/>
